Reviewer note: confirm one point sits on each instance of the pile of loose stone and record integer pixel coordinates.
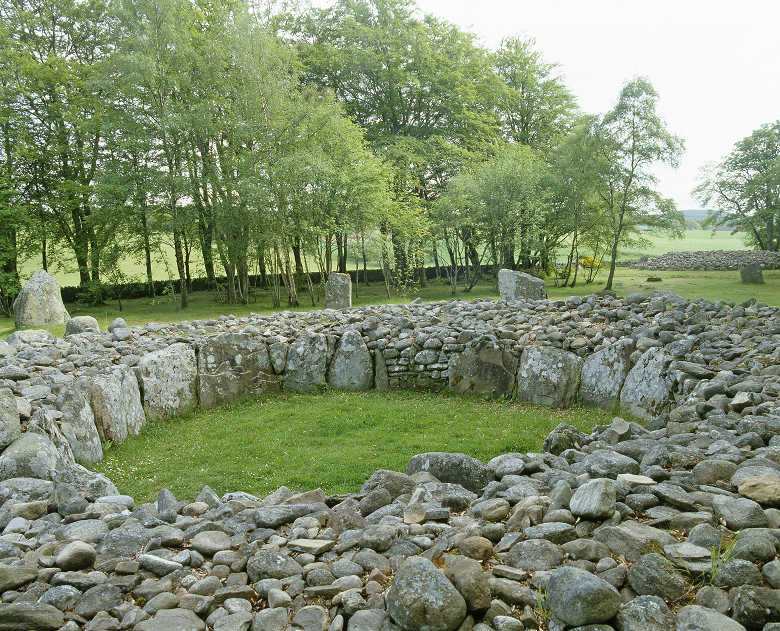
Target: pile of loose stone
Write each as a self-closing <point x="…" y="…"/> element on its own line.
<point x="714" y="260"/>
<point x="629" y="528"/>
<point x="414" y="344"/>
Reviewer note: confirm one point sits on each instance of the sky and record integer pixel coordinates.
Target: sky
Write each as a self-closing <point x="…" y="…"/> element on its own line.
<point x="714" y="63"/>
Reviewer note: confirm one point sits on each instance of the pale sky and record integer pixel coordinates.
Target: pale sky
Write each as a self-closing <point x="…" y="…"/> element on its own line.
<point x="715" y="63"/>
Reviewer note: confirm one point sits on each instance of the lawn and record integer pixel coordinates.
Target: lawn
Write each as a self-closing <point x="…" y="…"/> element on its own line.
<point x="331" y="440"/>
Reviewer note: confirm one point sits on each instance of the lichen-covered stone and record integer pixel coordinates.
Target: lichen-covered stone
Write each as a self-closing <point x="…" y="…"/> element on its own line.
<point x="232" y="367"/>
<point x="351" y="367"/>
<point x="548" y="376"/>
<point x="116" y="404"/>
<point x="485" y="367"/>
<point x="169" y="378"/>
<point x="39" y="303"/>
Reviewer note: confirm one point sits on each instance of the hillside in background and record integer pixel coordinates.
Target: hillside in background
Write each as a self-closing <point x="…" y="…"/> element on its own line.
<point x="698" y="215"/>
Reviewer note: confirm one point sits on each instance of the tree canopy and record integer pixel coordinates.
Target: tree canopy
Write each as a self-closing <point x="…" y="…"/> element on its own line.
<point x="743" y="190"/>
<point x="259" y="145"/>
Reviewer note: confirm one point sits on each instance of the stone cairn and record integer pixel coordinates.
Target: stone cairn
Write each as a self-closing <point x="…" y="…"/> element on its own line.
<point x="669" y="525"/>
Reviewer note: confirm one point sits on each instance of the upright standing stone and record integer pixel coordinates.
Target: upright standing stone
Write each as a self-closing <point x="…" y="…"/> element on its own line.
<point x="514" y="285"/>
<point x="78" y="422"/>
<point x="351" y="367"/>
<point x="170" y="380"/>
<point x="484" y="367"/>
<point x="40" y="303"/>
<point x="645" y="393"/>
<point x="116" y="404"/>
<point x="338" y="291"/>
<point x="232" y="367"/>
<point x="604" y="373"/>
<point x="307" y="362"/>
<point x="751" y="273"/>
<point x="548" y="376"/>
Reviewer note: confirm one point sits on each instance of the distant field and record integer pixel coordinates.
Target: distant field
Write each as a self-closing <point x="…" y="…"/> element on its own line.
<point x="693" y="240"/>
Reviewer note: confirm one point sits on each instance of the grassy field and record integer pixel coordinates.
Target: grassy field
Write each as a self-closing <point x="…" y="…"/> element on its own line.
<point x="333" y="440"/>
<point x="693" y="240"/>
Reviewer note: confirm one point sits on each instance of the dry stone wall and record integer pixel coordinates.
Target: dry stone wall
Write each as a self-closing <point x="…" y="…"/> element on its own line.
<point x="715" y="260"/>
<point x="451" y="542"/>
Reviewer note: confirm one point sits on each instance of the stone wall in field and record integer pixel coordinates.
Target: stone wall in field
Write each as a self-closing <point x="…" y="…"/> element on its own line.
<point x="715" y="260"/>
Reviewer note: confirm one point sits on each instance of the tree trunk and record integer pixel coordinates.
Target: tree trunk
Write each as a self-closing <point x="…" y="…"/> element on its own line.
<point x="147" y="253"/>
<point x="179" y="251"/>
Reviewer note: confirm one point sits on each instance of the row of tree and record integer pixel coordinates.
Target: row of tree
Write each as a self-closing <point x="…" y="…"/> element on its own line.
<point x="271" y="142"/>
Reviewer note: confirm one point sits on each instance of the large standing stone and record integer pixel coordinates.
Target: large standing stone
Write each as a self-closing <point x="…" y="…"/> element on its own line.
<point x="31" y="455"/>
<point x="421" y="598"/>
<point x="484" y="367"/>
<point x="307" y="361"/>
<point x="351" y="367"/>
<point x="579" y="598"/>
<point x="548" y="376"/>
<point x="10" y="427"/>
<point x="40" y="303"/>
<point x="232" y="367"/>
<point x="604" y="373"/>
<point x="78" y="422"/>
<point x="116" y="404"/>
<point x="338" y="291"/>
<point x="514" y="285"/>
<point x="644" y="392"/>
<point x="169" y="377"/>
<point x="751" y="273"/>
<point x="460" y="469"/>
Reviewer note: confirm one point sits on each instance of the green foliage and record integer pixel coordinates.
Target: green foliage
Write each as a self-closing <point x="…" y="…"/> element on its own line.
<point x="743" y="191"/>
<point x="631" y="138"/>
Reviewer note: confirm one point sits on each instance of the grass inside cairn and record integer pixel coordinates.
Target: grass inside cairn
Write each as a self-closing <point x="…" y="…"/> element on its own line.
<point x="335" y="440"/>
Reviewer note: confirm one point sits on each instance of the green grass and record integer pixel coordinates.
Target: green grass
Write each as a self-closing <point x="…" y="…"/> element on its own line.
<point x="693" y="240"/>
<point x="333" y="440"/>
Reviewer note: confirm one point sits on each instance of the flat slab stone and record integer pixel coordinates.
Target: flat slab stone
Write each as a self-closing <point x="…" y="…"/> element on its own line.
<point x="312" y="546"/>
